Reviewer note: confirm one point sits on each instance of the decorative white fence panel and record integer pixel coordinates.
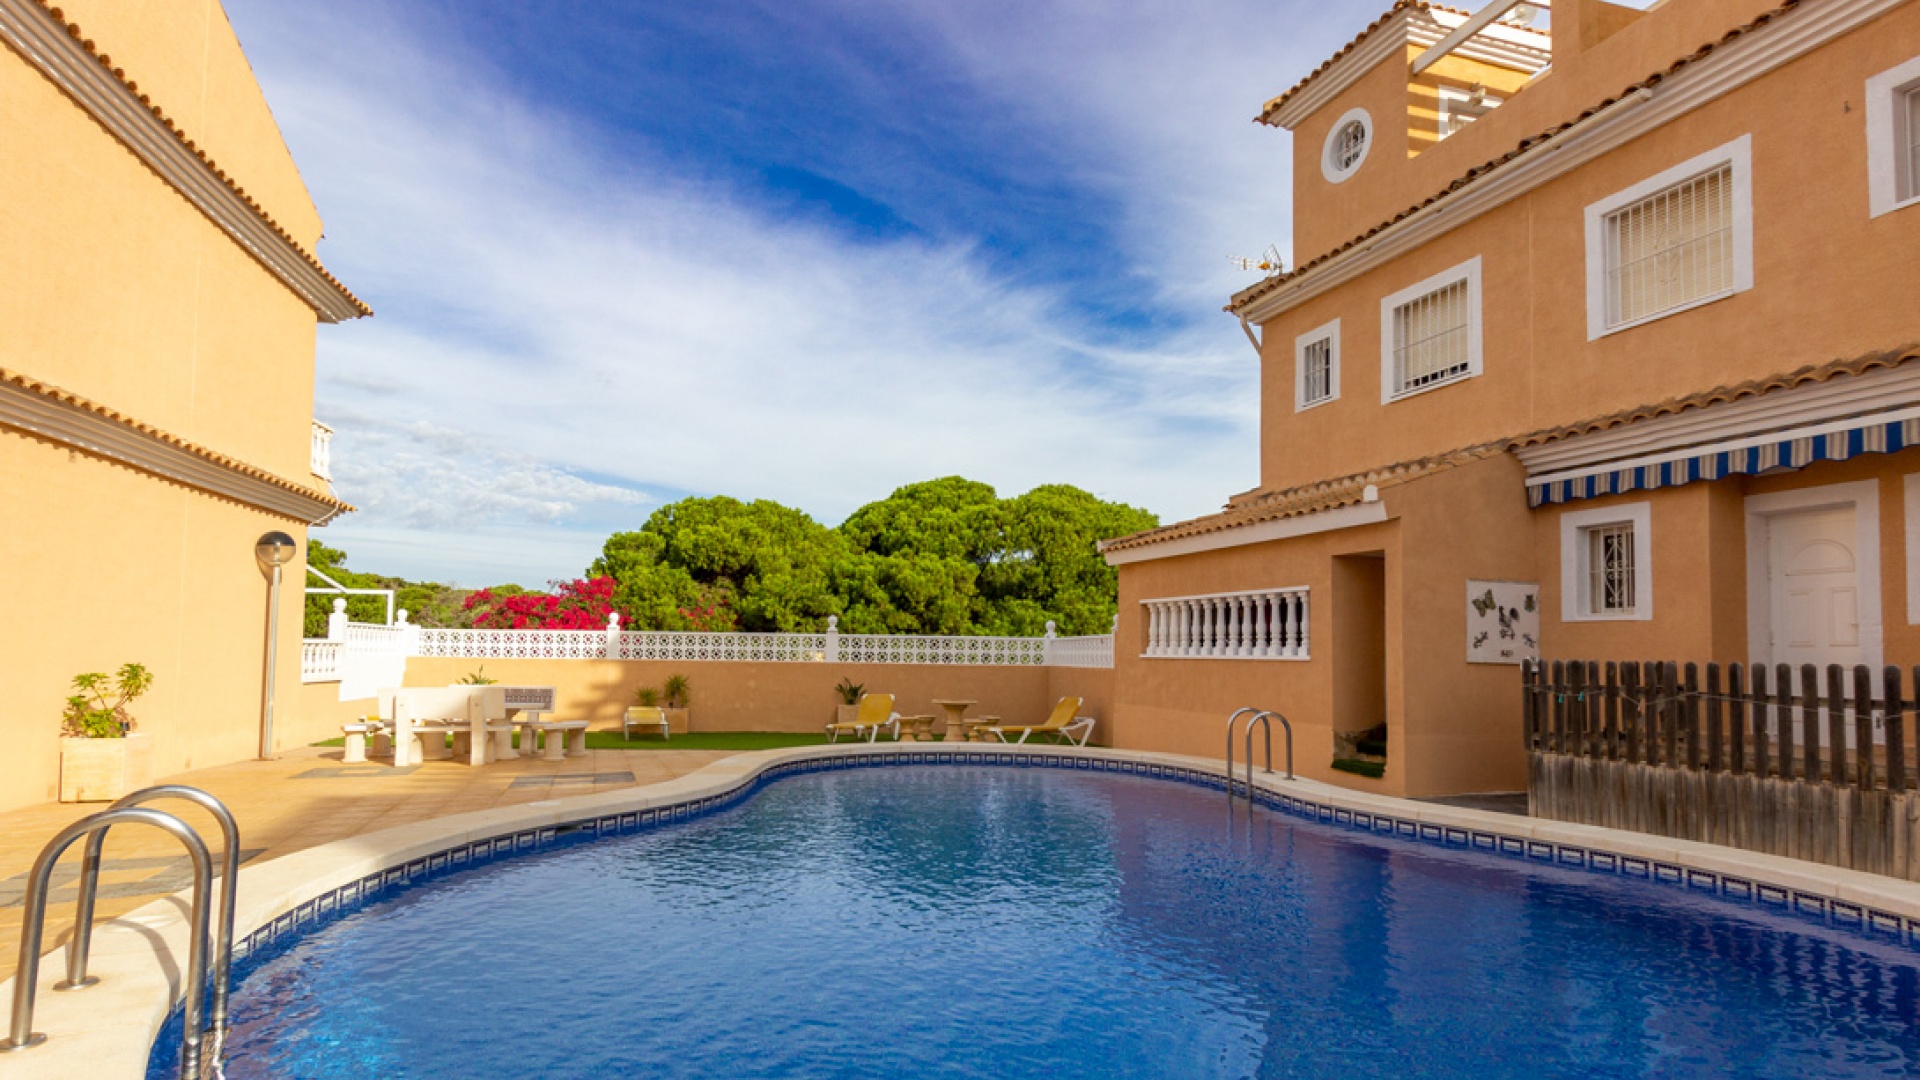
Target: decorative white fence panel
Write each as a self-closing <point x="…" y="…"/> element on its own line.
<point x="320" y="661"/>
<point x="1262" y="624"/>
<point x="769" y="648"/>
<point x="904" y="649"/>
<point x="1085" y="652"/>
<point x="515" y="644"/>
<point x="360" y="656"/>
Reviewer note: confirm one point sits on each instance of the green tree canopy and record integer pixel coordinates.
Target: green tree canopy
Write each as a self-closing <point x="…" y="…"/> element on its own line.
<point x="719" y="563"/>
<point x="945" y="556"/>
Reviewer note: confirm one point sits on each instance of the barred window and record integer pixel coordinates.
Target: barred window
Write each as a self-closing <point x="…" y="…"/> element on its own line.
<point x="1606" y="563"/>
<point x="1910" y="101"/>
<point x="1349" y="143"/>
<point x="1431" y="338"/>
<point x="1610" y="569"/>
<point x="1317" y="374"/>
<point x="1671" y="248"/>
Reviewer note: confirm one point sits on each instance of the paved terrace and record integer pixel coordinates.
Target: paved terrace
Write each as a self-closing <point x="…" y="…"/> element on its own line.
<point x="304" y="799"/>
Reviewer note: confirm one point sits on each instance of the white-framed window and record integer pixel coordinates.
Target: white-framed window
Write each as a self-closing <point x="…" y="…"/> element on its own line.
<point x="1460" y="107"/>
<point x="1347" y="145"/>
<point x="1671" y="242"/>
<point x="1430" y="333"/>
<point x="1316" y="366"/>
<point x="1893" y="139"/>
<point x="1606" y="563"/>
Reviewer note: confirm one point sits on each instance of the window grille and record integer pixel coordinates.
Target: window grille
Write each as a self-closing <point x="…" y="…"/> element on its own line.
<point x="1610" y="569"/>
<point x="1263" y="624"/>
<point x="1349" y="146"/>
<point x="1316" y="377"/>
<point x="1431" y="340"/>
<point x="1671" y="248"/>
<point x="1910" y="102"/>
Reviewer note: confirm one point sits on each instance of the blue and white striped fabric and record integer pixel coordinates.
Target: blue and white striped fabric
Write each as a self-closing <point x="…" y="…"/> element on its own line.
<point x="1871" y="437"/>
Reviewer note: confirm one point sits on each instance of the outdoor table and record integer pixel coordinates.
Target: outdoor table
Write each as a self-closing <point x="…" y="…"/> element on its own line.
<point x="917" y="728"/>
<point x="956" y="714"/>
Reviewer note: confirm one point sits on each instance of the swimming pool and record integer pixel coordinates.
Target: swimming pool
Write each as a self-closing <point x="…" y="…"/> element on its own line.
<point x="973" y="921"/>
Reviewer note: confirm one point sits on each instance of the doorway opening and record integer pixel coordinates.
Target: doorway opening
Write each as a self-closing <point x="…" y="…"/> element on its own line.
<point x="1360" y="663"/>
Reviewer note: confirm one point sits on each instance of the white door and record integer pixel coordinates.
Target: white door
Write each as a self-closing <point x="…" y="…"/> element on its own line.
<point x="1814" y="587"/>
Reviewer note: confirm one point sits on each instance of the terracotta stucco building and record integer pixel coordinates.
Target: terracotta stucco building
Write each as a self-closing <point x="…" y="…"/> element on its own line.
<point x="1600" y="344"/>
<point x="159" y="301"/>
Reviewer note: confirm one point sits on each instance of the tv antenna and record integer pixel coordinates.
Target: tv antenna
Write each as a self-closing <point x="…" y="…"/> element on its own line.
<point x="1269" y="262"/>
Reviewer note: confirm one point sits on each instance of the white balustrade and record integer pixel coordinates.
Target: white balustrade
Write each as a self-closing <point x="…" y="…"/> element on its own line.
<point x="320" y="453"/>
<point x="320" y="661"/>
<point x="1258" y="624"/>
<point x="1095" y="651"/>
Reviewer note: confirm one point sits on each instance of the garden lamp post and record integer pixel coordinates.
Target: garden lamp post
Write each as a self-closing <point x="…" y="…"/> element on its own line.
<point x="274" y="550"/>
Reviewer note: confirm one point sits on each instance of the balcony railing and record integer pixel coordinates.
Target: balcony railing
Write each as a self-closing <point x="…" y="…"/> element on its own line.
<point x="320" y="456"/>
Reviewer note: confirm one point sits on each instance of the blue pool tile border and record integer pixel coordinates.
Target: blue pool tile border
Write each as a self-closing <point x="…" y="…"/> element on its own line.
<point x="374" y="887"/>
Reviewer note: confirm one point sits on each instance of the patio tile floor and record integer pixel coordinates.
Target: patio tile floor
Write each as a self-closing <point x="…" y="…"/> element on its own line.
<point x="303" y="799"/>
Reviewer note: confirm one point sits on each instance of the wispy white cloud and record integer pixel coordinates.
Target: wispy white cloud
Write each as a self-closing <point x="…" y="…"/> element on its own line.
<point x="561" y="329"/>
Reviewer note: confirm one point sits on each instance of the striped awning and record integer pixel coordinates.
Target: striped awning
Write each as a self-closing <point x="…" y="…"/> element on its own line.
<point x="1877" y="433"/>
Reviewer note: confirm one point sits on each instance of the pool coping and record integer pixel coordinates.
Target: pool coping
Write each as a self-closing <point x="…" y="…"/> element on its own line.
<point x="107" y="1031"/>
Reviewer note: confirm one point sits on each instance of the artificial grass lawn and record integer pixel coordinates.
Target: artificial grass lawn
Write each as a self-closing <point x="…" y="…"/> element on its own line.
<point x="698" y="740"/>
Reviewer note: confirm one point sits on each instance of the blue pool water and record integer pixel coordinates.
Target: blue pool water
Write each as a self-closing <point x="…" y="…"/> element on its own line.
<point x="954" y="921"/>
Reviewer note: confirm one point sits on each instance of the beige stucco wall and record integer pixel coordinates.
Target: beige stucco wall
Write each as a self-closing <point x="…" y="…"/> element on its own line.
<point x="1811" y="230"/>
<point x="1700" y="567"/>
<point x="184" y="55"/>
<point x="1328" y="215"/>
<point x="741" y="696"/>
<point x="115" y="566"/>
<point x="114" y="287"/>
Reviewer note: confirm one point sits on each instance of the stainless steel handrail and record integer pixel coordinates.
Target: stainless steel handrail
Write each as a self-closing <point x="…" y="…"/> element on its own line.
<point x="33" y="923"/>
<point x="1237" y="714"/>
<point x="77" y="952"/>
<point x="1287" y="727"/>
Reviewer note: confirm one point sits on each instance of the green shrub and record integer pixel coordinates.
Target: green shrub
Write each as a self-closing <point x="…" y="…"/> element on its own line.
<point x="99" y="710"/>
<point x="1374" y="769"/>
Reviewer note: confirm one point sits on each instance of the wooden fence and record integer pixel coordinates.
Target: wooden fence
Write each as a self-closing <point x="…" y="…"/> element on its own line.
<point x="1767" y="758"/>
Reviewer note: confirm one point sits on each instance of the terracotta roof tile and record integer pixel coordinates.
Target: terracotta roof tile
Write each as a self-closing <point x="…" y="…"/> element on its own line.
<point x="1256" y="291"/>
<point x="1261" y="506"/>
<point x="1255" y="507"/>
<point x="68" y="397"/>
<point x="73" y="29"/>
<point x="1273" y="106"/>
<point x="1812" y="373"/>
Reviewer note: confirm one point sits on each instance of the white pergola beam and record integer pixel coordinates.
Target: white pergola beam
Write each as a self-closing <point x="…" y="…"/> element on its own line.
<point x="1475" y="23"/>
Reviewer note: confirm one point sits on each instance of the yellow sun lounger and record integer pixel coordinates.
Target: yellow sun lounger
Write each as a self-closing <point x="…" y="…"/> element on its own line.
<point x="876" y="713"/>
<point x="1061" y="725"/>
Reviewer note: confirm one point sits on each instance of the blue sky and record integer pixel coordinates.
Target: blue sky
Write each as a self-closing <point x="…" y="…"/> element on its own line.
<point x="808" y="251"/>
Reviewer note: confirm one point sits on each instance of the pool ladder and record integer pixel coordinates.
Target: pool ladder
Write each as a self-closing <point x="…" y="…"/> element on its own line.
<point x="1264" y="718"/>
<point x="94" y="827"/>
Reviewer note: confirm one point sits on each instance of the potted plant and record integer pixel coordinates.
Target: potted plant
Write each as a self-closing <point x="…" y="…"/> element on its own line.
<point x="673" y="695"/>
<point x="849" y="706"/>
<point x="101" y="758"/>
<point x="476" y="677"/>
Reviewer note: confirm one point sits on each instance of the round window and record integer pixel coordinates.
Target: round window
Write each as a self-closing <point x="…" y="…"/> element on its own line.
<point x="1347" y="145"/>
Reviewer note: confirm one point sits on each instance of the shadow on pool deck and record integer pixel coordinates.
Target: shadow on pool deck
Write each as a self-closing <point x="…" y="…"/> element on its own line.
<point x="1504" y="802"/>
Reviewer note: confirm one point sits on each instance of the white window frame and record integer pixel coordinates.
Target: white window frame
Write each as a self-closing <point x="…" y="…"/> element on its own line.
<point x="1333" y="173"/>
<point x="1576" y="600"/>
<point x="1887" y="135"/>
<point x="1910" y="507"/>
<point x="1738" y="154"/>
<point x="1451" y="96"/>
<point x="1469" y="272"/>
<point x="1330" y="333"/>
